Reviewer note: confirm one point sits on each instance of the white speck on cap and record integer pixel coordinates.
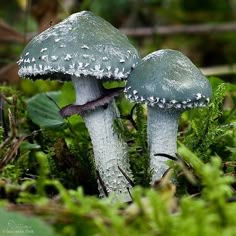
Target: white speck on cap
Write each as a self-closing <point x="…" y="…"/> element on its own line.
<point x="85" y="47"/>
<point x="189" y="105"/>
<point x="19" y="61"/>
<point x="160" y="105"/>
<point x="178" y="106"/>
<point x="151" y="99"/>
<point x="142" y="99"/>
<point x="27" y="60"/>
<point x="67" y="57"/>
<point x="97" y="67"/>
<point x="43" y="49"/>
<point x="54" y="58"/>
<point x="44" y="57"/>
<point x="116" y="71"/>
<point x="163" y="100"/>
<point x="72" y="66"/>
<point x="30" y="69"/>
<point x="173" y="101"/>
<point x="198" y="96"/>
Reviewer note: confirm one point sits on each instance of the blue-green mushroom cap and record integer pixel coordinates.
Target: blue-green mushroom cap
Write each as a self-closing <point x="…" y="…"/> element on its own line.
<point x="168" y="79"/>
<point x="82" y="44"/>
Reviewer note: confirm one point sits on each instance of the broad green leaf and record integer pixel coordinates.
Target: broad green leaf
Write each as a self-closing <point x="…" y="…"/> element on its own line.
<point x="231" y="149"/>
<point x="26" y="146"/>
<point x="43" y="110"/>
<point x="67" y="95"/>
<point x="15" y="224"/>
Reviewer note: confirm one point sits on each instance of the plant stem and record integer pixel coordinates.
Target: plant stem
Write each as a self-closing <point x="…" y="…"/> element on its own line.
<point x="162" y="130"/>
<point x="109" y="150"/>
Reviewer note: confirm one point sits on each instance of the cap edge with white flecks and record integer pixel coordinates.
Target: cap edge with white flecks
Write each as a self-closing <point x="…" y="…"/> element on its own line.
<point x="81" y="45"/>
<point x="197" y="100"/>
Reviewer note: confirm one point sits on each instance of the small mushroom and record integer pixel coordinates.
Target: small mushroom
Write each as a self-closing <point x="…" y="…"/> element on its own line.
<point x="88" y="50"/>
<point x="169" y="83"/>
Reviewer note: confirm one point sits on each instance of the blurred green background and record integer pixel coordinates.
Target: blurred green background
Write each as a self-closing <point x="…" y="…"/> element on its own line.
<point x="150" y="25"/>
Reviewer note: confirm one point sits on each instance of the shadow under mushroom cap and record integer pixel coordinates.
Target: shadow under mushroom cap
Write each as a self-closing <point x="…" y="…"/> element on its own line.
<point x="82" y="44"/>
<point x="167" y="78"/>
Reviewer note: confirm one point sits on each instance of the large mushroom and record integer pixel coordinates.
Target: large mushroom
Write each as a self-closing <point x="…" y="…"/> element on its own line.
<point x="88" y="50"/>
<point x="169" y="83"/>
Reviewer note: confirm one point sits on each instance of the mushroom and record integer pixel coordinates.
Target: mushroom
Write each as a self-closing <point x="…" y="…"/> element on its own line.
<point x="169" y="83"/>
<point x="88" y="50"/>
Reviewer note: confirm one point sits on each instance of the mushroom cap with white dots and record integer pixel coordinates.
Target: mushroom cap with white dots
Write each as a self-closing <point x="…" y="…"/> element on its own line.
<point x="82" y="44"/>
<point x="168" y="79"/>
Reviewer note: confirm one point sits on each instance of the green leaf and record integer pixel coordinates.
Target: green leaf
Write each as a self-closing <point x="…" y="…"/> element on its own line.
<point x="231" y="149"/>
<point x="15" y="224"/>
<point x="26" y="146"/>
<point x="67" y="95"/>
<point x="43" y="110"/>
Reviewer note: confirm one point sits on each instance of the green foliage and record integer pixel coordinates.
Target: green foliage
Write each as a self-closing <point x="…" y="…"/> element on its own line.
<point x="11" y="173"/>
<point x="68" y="149"/>
<point x="8" y="90"/>
<point x="139" y="152"/>
<point x="207" y="127"/>
<point x="141" y="127"/>
<point x="42" y="178"/>
<point x="207" y="173"/>
<point x="44" y="111"/>
<point x="133" y="131"/>
<point x="153" y="211"/>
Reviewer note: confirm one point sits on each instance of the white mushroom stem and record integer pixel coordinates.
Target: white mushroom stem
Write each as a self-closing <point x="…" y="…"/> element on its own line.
<point x="109" y="150"/>
<point x="162" y="130"/>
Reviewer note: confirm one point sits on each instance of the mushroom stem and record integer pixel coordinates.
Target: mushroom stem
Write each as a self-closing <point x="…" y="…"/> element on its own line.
<point x="110" y="152"/>
<point x="162" y="130"/>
